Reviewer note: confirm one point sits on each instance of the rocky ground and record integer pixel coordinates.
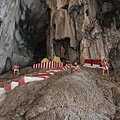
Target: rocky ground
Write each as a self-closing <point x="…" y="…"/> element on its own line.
<point x="64" y="96"/>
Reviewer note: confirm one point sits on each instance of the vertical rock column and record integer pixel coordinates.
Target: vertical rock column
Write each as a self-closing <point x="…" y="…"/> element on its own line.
<point x="61" y="24"/>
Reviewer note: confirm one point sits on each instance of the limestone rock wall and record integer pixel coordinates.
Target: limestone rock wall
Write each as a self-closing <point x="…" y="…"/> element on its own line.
<point x="92" y="26"/>
<point x="8" y="44"/>
<point x="12" y="44"/>
<point x="21" y="21"/>
<point x="93" y="23"/>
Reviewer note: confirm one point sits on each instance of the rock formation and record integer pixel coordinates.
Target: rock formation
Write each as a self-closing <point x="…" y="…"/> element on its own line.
<point x="31" y="30"/>
<point x="22" y="30"/>
<point x="77" y="96"/>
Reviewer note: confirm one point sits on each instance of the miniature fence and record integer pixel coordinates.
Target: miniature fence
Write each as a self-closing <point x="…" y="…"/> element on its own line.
<point x="96" y="63"/>
<point x="88" y="62"/>
<point x="92" y="62"/>
<point x="50" y="64"/>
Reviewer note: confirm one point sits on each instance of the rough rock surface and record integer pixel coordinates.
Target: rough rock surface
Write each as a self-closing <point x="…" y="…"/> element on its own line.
<point x="92" y="24"/>
<point x="29" y="27"/>
<point x="21" y="23"/>
<point x="78" y="96"/>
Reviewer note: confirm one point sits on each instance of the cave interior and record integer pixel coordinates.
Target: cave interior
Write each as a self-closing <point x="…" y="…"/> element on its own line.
<point x="70" y="53"/>
<point x="35" y="30"/>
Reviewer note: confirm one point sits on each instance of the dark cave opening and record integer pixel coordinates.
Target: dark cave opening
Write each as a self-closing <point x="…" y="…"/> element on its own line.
<point x="54" y="25"/>
<point x="70" y="53"/>
<point x="35" y="31"/>
<point x="87" y="12"/>
<point x="108" y="19"/>
<point x="40" y="51"/>
<point x="39" y="45"/>
<point x="57" y="46"/>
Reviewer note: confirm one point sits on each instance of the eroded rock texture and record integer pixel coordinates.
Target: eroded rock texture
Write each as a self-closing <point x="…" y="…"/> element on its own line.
<point x="33" y="29"/>
<point x="64" y="96"/>
<point x="92" y="26"/>
<point x="23" y="29"/>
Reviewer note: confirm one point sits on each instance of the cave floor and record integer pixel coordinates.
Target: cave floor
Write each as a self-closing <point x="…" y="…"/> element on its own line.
<point x="29" y="71"/>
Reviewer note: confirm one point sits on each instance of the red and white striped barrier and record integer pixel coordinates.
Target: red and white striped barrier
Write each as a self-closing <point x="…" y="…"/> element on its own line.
<point x="59" y="64"/>
<point x="87" y="62"/>
<point x="31" y="79"/>
<point x="10" y="86"/>
<point x="21" y="81"/>
<point x="66" y="67"/>
<point x="49" y="64"/>
<point x="44" y="75"/>
<point x="93" y="63"/>
<point x="7" y="87"/>
<point x="2" y="91"/>
<point x="96" y="62"/>
<point x="13" y="85"/>
<point x="37" y="77"/>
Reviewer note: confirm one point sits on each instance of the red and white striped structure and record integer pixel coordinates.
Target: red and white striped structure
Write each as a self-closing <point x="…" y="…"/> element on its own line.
<point x="49" y="64"/>
<point x="7" y="87"/>
<point x="96" y="62"/>
<point x="87" y="62"/>
<point x="21" y="81"/>
<point x="31" y="79"/>
<point x="93" y="63"/>
<point x="37" y="77"/>
<point x="2" y="91"/>
<point x="44" y="75"/>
